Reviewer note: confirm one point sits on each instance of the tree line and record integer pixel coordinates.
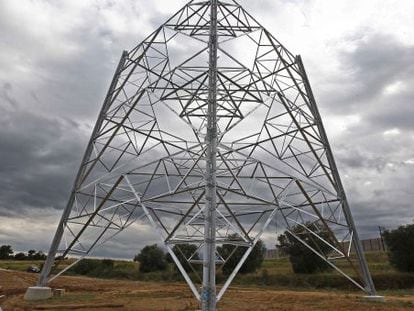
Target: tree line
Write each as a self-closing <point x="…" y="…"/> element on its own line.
<point x="400" y="244"/>
<point x="153" y="258"/>
<point x="6" y="252"/>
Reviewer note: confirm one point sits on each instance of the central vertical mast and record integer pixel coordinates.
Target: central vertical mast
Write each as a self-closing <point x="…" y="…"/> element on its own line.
<point x="208" y="295"/>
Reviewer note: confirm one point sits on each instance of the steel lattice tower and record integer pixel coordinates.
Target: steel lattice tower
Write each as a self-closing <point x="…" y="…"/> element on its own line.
<point x="211" y="134"/>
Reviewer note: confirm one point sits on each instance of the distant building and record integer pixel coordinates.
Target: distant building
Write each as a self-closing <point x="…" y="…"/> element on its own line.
<point x="370" y="245"/>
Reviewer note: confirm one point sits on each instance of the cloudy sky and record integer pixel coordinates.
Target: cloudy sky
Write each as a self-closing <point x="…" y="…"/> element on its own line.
<point x="57" y="59"/>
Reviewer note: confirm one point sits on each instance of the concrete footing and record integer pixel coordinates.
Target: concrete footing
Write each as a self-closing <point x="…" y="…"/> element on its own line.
<point x="38" y="293"/>
<point x="58" y="292"/>
<point x="375" y="298"/>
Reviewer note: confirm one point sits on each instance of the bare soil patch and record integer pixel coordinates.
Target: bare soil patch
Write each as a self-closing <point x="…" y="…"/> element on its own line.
<point x="150" y="296"/>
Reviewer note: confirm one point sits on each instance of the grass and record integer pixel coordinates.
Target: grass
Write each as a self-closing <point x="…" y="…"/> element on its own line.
<point x="277" y="266"/>
<point x="275" y="273"/>
<point x="397" y="292"/>
<point x="19" y="265"/>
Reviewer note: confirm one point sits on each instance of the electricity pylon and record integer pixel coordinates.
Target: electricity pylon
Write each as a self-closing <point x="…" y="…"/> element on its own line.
<point x="210" y="133"/>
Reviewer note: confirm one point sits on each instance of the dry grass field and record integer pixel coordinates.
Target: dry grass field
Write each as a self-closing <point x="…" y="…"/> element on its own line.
<point x="93" y="294"/>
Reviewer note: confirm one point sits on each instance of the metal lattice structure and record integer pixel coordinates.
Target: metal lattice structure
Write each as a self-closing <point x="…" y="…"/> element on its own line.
<point x="209" y="133"/>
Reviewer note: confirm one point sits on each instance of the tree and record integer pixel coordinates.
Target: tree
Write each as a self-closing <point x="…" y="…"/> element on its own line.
<point x="151" y="258"/>
<point x="5" y="252"/>
<point x="107" y="263"/>
<point x="31" y="253"/>
<point x="182" y="252"/>
<point x="400" y="244"/>
<point x="20" y="256"/>
<point x="303" y="259"/>
<point x="38" y="256"/>
<point x="253" y="262"/>
<point x="94" y="267"/>
<point x="85" y="266"/>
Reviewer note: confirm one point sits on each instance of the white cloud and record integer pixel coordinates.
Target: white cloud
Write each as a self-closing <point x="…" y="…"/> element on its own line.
<point x="337" y="125"/>
<point x="392" y="132"/>
<point x="409" y="161"/>
<point x="393" y="88"/>
<point x="29" y="230"/>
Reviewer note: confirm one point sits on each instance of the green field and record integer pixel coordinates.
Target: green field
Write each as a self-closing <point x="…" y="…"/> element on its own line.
<point x="275" y="273"/>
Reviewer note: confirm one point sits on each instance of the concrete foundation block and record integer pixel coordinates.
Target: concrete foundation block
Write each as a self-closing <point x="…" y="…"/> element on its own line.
<point x="58" y="292"/>
<point x="38" y="293"/>
<point x="375" y="298"/>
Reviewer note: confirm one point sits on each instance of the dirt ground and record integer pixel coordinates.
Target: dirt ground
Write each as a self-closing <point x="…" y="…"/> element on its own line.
<point x="92" y="294"/>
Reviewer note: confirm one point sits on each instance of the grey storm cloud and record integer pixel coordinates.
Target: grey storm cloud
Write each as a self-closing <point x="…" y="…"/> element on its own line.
<point x="374" y="154"/>
<point x="376" y="62"/>
<point x="57" y="60"/>
<point x="38" y="156"/>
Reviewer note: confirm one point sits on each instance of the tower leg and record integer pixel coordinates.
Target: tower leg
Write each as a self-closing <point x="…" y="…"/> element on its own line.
<point x="363" y="265"/>
<point x="47" y="267"/>
<point x="368" y="282"/>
